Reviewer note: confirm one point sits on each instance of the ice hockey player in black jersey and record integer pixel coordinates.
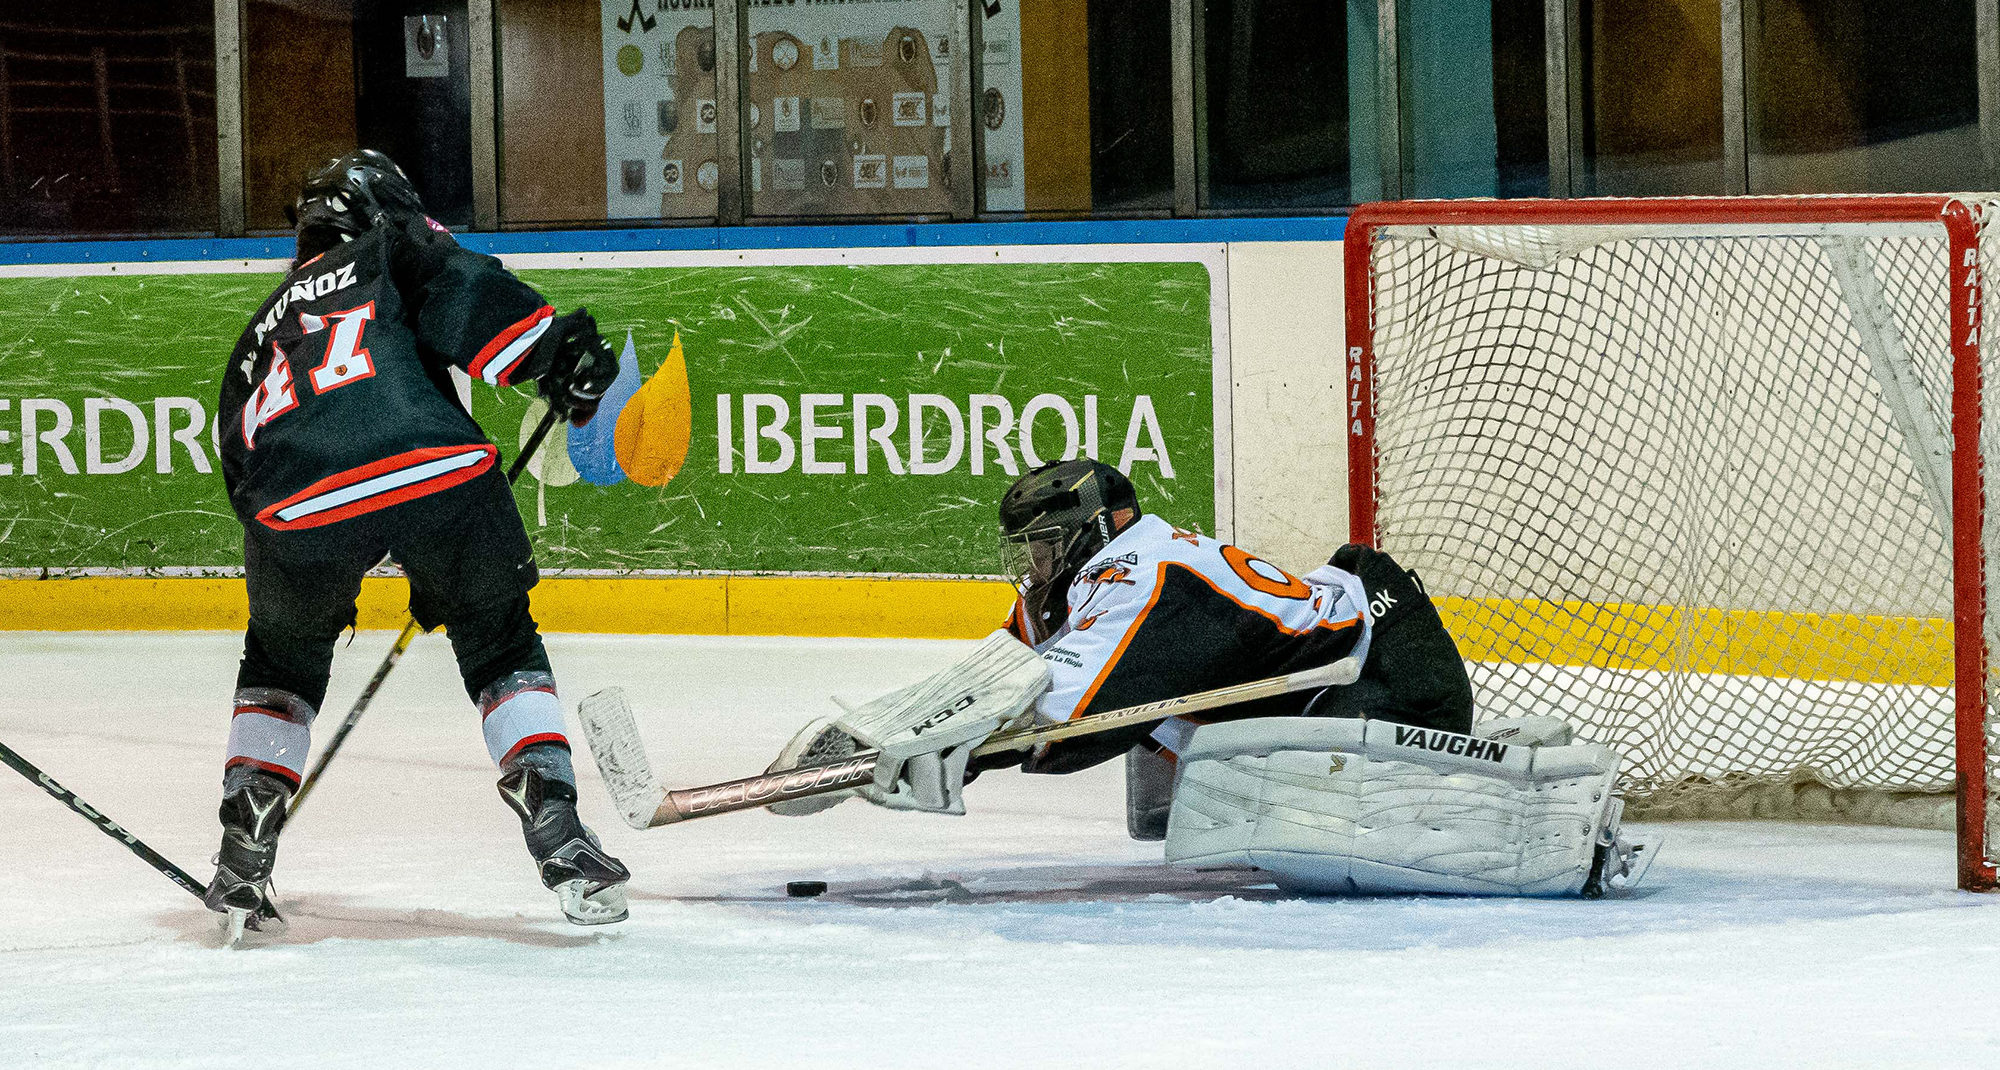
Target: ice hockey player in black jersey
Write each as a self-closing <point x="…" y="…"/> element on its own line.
<point x="1381" y="785"/>
<point x="343" y="441"/>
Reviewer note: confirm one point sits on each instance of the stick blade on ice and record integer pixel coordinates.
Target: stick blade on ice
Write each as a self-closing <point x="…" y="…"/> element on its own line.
<point x="621" y="755"/>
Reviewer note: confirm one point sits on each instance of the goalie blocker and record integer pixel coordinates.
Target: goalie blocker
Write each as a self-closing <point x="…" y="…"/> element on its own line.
<point x="1335" y="806"/>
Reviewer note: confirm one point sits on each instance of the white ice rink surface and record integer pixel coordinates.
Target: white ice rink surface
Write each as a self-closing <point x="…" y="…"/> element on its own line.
<point x="1030" y="933"/>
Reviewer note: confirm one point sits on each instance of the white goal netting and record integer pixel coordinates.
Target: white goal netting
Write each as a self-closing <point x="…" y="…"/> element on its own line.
<point x="1689" y="486"/>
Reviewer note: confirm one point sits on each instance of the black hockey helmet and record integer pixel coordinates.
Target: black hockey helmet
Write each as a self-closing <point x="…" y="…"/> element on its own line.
<point x="346" y="196"/>
<point x="1052" y="521"/>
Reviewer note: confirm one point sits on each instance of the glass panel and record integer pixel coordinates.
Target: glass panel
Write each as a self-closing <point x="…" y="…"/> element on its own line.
<point x="321" y="77"/>
<point x="298" y="59"/>
<point x="107" y="117"/>
<point x="1474" y="98"/>
<point x="1276" y="88"/>
<point x="848" y="108"/>
<point x="1131" y="105"/>
<point x="1863" y="96"/>
<point x="1057" y="135"/>
<point x="1652" y="97"/>
<point x="607" y="110"/>
<point x="1076" y="106"/>
<point x="1364" y="101"/>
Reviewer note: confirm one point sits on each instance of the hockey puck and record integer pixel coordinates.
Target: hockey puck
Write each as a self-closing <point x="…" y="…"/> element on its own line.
<point x="804" y="889"/>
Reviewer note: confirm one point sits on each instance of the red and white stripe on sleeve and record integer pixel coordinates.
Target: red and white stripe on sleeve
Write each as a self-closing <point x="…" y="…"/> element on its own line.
<point x="497" y="359"/>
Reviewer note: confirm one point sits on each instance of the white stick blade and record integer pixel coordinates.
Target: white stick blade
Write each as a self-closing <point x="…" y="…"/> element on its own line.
<point x="621" y="755"/>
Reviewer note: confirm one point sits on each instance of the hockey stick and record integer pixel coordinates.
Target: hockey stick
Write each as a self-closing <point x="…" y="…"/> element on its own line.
<point x="411" y="629"/>
<point x="104" y="824"/>
<point x="628" y="775"/>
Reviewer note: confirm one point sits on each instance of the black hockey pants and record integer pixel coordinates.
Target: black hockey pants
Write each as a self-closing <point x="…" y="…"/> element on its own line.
<point x="1414" y="674"/>
<point x="470" y="567"/>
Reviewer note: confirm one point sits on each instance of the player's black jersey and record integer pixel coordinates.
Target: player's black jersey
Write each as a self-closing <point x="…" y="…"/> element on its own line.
<point x="337" y="400"/>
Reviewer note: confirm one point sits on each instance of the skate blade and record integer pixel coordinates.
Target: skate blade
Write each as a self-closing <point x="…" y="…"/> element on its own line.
<point x="234" y="924"/>
<point x="243" y="927"/>
<point x="586" y="902"/>
<point x="1638" y="861"/>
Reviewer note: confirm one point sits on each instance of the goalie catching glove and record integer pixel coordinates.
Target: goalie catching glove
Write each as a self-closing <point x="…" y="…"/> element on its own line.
<point x="926" y="732"/>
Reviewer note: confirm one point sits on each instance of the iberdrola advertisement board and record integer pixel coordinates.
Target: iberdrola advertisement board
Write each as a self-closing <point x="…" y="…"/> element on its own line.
<point x="790" y="411"/>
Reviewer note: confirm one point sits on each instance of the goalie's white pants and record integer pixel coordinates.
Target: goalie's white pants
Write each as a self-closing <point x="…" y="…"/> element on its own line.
<point x="1341" y="806"/>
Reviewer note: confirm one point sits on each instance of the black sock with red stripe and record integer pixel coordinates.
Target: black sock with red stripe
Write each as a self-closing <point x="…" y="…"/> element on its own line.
<point x="552" y="760"/>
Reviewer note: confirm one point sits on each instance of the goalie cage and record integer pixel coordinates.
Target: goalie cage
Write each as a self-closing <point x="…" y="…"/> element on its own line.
<point x="1706" y="476"/>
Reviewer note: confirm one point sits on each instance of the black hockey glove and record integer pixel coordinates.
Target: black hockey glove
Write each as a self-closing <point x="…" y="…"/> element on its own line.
<point x="580" y="368"/>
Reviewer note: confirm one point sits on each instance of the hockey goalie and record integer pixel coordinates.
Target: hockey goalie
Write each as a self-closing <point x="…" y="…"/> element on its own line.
<point x="1383" y="785"/>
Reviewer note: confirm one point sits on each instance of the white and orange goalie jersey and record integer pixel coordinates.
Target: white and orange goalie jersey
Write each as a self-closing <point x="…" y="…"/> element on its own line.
<point x="1162" y="611"/>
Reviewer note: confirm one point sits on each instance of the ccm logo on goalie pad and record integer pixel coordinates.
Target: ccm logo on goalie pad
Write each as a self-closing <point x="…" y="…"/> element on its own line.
<point x="941" y="716"/>
<point x="1450" y="743"/>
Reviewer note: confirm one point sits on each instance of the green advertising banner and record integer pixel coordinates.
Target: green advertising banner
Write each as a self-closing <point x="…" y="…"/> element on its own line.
<point x="769" y="417"/>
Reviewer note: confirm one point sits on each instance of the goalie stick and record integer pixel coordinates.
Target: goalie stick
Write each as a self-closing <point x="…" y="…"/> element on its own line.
<point x="411" y="629"/>
<point x="628" y="775"/>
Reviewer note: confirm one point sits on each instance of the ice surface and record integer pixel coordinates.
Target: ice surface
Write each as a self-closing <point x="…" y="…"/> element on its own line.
<point x="1030" y="932"/>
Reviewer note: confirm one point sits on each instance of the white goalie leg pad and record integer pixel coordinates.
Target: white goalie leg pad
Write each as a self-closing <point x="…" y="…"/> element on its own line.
<point x="1334" y="806"/>
<point x="1534" y="730"/>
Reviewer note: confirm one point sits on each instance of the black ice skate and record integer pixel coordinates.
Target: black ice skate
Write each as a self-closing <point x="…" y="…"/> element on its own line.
<point x="252" y="816"/>
<point x="590" y="882"/>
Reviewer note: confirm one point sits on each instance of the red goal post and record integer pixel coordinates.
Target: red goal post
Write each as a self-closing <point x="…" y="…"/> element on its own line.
<point x="1705" y="475"/>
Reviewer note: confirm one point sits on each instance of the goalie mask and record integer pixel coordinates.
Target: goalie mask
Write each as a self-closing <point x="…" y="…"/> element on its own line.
<point x="344" y="197"/>
<point x="1052" y="521"/>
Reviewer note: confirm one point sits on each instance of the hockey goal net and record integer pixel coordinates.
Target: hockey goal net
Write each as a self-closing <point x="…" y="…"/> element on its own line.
<point x="1704" y="476"/>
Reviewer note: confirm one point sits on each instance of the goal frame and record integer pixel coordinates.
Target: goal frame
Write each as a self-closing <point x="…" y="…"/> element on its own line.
<point x="1960" y="221"/>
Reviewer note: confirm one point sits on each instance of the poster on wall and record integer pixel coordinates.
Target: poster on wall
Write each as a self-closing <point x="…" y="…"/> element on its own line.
<point x="426" y="53"/>
<point x="850" y="107"/>
<point x="775" y="412"/>
<point x="659" y="109"/>
<point x="998" y="107"/>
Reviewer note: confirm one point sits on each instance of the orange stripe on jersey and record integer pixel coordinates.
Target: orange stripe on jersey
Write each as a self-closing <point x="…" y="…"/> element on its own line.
<point x="503" y="347"/>
<point x="1015" y="625"/>
<point x="476" y="460"/>
<point x="1159" y="585"/>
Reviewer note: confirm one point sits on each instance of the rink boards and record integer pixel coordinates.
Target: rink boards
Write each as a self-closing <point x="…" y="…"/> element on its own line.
<point x="814" y="423"/>
<point x="1144" y="343"/>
